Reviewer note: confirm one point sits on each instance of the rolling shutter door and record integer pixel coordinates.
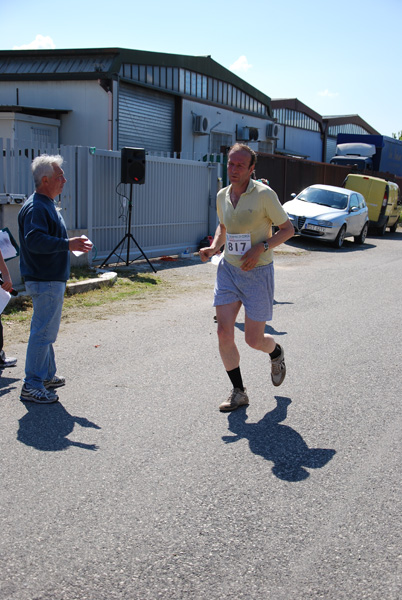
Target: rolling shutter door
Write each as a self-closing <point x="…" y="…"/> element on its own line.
<point x="330" y="150"/>
<point x="146" y="119"/>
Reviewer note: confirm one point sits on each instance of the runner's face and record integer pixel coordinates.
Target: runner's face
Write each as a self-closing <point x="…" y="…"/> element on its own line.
<point x="239" y="169"/>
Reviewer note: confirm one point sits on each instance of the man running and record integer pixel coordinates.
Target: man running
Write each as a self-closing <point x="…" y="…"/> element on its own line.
<point x="247" y="209"/>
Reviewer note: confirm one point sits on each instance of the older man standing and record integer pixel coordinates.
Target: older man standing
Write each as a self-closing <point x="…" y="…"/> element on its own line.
<point x="246" y="211"/>
<point x="45" y="267"/>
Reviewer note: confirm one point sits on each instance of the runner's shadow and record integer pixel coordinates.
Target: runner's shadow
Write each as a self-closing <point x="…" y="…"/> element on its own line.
<point x="6" y="384"/>
<point x="268" y="329"/>
<point x="47" y="427"/>
<point x="279" y="444"/>
<point x="276" y="302"/>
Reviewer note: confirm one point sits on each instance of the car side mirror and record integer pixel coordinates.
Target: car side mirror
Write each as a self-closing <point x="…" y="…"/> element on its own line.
<point x="293" y="196"/>
<point x="354" y="209"/>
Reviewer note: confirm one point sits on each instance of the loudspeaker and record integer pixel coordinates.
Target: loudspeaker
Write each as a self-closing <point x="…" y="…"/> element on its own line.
<point x="133" y="165"/>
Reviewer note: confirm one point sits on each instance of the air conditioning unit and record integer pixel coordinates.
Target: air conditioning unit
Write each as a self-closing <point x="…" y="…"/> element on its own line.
<point x="246" y="134"/>
<point x="200" y="125"/>
<point x="273" y="130"/>
<point x="241" y="133"/>
<point x="12" y="198"/>
<point x="253" y="134"/>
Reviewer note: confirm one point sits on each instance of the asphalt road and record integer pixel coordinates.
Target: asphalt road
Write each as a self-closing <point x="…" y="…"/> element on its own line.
<point x="135" y="486"/>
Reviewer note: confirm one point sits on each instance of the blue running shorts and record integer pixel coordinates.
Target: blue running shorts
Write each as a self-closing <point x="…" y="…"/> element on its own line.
<point x="254" y="289"/>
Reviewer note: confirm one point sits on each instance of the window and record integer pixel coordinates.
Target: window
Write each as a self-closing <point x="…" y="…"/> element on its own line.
<point x="294" y="118"/>
<point x="220" y="140"/>
<point x="225" y="93"/>
<point x="175" y="85"/>
<point x="182" y="77"/>
<point x="163" y="77"/>
<point x="169" y="78"/>
<point x="187" y="86"/>
<point x="215" y="94"/>
<point x="354" y="201"/>
<point x="204" y="86"/>
<point x="210" y="88"/>
<point x="199" y="86"/>
<point x="194" y="84"/>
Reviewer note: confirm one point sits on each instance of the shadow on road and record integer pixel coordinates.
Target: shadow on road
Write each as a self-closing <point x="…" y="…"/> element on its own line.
<point x="279" y="444"/>
<point x="315" y="245"/>
<point x="268" y="329"/>
<point x="6" y="384"/>
<point x="47" y="427"/>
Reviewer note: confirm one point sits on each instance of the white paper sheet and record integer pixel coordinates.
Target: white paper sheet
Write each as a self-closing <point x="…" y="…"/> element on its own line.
<point x="6" y="247"/>
<point x="4" y="299"/>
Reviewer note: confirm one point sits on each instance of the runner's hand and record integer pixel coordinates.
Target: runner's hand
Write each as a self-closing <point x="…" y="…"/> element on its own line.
<point x="206" y="253"/>
<point x="249" y="260"/>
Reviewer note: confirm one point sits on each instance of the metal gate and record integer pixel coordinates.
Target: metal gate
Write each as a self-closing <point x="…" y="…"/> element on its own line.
<point x="172" y="211"/>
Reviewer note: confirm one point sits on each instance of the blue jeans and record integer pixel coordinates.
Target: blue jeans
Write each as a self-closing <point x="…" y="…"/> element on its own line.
<point x="47" y="299"/>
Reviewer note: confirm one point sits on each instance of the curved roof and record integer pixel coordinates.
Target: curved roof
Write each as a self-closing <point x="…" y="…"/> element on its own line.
<point x="94" y="63"/>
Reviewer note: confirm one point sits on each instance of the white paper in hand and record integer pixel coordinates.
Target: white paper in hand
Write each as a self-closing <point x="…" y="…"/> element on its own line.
<point x="4" y="299"/>
<point x="78" y="252"/>
<point x="216" y="259"/>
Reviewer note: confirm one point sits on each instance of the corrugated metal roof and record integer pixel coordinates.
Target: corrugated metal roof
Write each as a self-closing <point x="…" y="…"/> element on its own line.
<point x="34" y="64"/>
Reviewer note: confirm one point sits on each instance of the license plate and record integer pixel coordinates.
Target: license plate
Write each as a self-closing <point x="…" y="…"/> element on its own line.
<point x="316" y="228"/>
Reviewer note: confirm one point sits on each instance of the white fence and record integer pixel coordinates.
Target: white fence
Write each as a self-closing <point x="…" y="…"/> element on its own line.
<point x="172" y="211"/>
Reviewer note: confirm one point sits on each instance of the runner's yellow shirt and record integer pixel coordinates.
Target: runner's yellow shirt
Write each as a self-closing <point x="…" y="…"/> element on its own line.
<point x="250" y="222"/>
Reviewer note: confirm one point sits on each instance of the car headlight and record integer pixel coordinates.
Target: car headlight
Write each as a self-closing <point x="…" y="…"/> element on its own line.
<point x="321" y="223"/>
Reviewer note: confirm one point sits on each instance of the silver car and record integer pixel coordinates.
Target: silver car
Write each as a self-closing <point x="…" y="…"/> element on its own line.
<point x="329" y="213"/>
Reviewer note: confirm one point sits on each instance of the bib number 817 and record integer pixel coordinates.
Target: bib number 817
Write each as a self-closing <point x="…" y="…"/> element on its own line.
<point x="237" y="247"/>
<point x="238" y="243"/>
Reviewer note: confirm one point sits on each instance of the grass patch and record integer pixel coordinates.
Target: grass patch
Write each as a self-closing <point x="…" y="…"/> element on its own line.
<point x="81" y="273"/>
<point x="128" y="285"/>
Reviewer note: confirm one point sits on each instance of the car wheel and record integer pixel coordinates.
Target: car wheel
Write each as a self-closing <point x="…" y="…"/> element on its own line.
<point x="394" y="227"/>
<point x="360" y="239"/>
<point x="381" y="230"/>
<point x="338" y="243"/>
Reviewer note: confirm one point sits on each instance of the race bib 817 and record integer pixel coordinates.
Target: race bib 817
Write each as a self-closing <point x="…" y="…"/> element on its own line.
<point x="238" y="243"/>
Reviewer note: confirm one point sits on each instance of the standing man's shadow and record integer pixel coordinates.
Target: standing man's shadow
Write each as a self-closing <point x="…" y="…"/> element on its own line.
<point x="279" y="444"/>
<point x="47" y="427"/>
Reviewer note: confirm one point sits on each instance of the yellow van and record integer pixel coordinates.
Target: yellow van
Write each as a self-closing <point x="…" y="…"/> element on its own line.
<point x="383" y="199"/>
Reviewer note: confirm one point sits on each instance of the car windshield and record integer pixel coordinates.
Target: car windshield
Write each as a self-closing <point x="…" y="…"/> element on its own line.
<point x="324" y="197"/>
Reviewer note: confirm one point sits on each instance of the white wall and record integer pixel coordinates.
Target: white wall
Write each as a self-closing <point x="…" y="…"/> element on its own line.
<point x="307" y="143"/>
<point x="220" y="121"/>
<point x="85" y="125"/>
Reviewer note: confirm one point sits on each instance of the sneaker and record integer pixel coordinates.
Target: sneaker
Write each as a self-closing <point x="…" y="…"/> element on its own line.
<point x="237" y="398"/>
<point x="7" y="362"/>
<point x="39" y="396"/>
<point x="55" y="382"/>
<point x="278" y="368"/>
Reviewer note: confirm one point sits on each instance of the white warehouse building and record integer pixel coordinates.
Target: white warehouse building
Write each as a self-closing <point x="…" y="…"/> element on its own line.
<point x="112" y="98"/>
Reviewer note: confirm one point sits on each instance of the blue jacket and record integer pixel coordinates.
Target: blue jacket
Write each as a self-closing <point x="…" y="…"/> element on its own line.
<point x="44" y="252"/>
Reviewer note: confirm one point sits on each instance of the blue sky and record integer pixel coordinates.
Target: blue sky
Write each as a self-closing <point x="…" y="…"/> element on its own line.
<point x="340" y="57"/>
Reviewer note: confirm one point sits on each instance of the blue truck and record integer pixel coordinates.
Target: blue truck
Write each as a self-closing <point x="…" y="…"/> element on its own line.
<point x="376" y="153"/>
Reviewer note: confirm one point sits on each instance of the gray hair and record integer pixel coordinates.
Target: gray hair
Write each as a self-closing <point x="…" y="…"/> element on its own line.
<point x="42" y="166"/>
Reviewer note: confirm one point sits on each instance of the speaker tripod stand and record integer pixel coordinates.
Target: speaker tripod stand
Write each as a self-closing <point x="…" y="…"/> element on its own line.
<point x="129" y="236"/>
